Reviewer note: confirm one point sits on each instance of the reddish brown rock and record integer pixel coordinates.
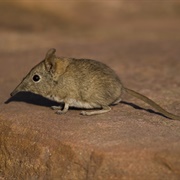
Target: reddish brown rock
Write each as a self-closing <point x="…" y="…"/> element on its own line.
<point x="129" y="142"/>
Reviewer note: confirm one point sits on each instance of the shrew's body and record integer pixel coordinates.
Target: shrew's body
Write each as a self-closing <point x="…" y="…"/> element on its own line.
<point x="81" y="83"/>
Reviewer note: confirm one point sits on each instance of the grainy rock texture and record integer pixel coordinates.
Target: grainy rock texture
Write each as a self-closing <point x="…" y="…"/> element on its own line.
<point x="141" y="42"/>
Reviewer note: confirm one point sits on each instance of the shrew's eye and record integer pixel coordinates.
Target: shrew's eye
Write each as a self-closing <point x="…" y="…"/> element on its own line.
<point x="36" y="78"/>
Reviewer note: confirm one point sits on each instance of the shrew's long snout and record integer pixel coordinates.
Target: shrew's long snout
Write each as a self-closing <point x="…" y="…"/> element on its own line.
<point x="19" y="88"/>
<point x="14" y="92"/>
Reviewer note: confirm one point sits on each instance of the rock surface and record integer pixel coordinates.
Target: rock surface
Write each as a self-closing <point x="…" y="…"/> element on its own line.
<point x="129" y="142"/>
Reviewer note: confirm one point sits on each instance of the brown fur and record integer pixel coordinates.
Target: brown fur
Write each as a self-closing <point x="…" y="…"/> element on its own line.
<point x="82" y="83"/>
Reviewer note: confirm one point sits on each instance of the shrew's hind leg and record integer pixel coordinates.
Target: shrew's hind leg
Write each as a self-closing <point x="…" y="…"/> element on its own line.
<point x="117" y="101"/>
<point x="103" y="110"/>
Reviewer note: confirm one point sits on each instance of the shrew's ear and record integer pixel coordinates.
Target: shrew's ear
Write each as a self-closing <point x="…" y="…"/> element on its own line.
<point x="55" y="66"/>
<point x="49" y="59"/>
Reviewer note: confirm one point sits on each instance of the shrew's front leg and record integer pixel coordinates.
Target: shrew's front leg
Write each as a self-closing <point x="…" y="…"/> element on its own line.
<point x="61" y="109"/>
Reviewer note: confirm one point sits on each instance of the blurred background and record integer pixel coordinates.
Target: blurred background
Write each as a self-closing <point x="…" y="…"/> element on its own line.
<point x="134" y="37"/>
<point x="41" y="24"/>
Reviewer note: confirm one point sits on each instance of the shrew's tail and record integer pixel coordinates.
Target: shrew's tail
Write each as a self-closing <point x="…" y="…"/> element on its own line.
<point x="152" y="103"/>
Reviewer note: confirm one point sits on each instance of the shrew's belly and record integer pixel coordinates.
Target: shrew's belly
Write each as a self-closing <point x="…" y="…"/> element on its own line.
<point x="75" y="103"/>
<point x="82" y="104"/>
